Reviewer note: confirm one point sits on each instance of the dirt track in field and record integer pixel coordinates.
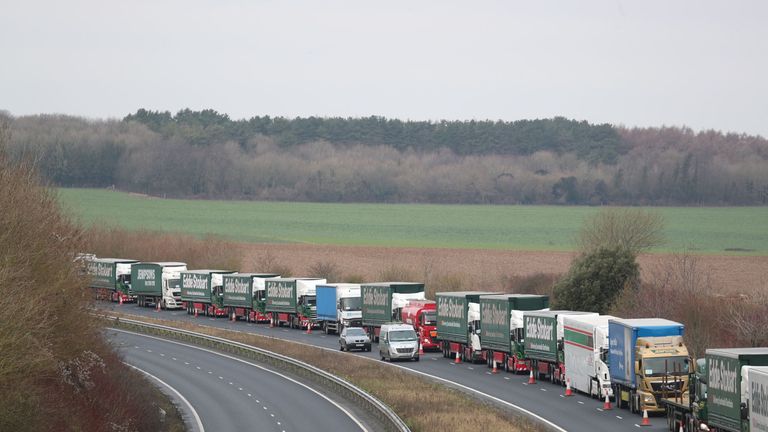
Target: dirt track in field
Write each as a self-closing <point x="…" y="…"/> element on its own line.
<point x="487" y="269"/>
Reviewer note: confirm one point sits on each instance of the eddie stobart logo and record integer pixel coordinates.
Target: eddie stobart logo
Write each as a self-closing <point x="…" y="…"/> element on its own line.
<point x="450" y="309"/>
<point x="145" y="274"/>
<point x="280" y="290"/>
<point x="235" y="286"/>
<point x="375" y="297"/>
<point x="538" y="328"/>
<point x="758" y="399"/>
<point x="493" y="314"/>
<point x="721" y="377"/>
<point x="193" y="281"/>
<point x="98" y="269"/>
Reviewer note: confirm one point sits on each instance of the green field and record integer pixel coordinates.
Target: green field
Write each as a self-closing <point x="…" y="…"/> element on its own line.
<point x="706" y="230"/>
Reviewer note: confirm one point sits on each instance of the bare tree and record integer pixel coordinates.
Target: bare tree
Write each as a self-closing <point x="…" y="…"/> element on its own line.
<point x="636" y="230"/>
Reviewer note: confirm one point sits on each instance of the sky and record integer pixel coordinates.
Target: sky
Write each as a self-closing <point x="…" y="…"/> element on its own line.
<point x="696" y="63"/>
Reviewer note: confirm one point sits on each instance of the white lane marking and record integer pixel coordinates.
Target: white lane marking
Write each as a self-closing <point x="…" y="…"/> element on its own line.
<point x="230" y="383"/>
<point x="581" y="402"/>
<point x="331" y="401"/>
<point x="265" y="407"/>
<point x="198" y="422"/>
<point x="257" y="401"/>
<point x="620" y="417"/>
<point x="562" y="396"/>
<point x="240" y="388"/>
<point x="488" y="373"/>
<point x="136" y="347"/>
<point x="210" y="372"/>
<point x="470" y="368"/>
<point x="272" y="415"/>
<point x="637" y="425"/>
<point x="543" y="389"/>
<point x="162" y="355"/>
<point x="599" y="409"/>
<point x="186" y="363"/>
<point x="174" y="358"/>
<point x="149" y="351"/>
<point x="506" y="378"/>
<point x="221" y="378"/>
<point x="249" y="395"/>
<point x="198" y="367"/>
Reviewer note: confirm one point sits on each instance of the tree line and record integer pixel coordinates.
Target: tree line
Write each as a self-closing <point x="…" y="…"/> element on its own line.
<point x="204" y="154"/>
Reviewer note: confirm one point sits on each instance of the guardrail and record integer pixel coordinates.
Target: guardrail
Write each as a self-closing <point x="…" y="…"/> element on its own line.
<point x="354" y="394"/>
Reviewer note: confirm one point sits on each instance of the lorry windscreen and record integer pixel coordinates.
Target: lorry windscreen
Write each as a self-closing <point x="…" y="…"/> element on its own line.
<point x="174" y="284"/>
<point x="429" y="318"/>
<point x="661" y="366"/>
<point x="402" y="335"/>
<point x="351" y="303"/>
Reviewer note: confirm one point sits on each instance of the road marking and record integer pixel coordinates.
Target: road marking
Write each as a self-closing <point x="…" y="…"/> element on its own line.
<point x="599" y="409"/>
<point x="240" y="388"/>
<point x="331" y="401"/>
<point x="581" y="402"/>
<point x="162" y="355"/>
<point x="249" y="395"/>
<point x="198" y="422"/>
<point x="506" y="378"/>
<point x="562" y="396"/>
<point x="265" y="407"/>
<point x="149" y="351"/>
<point x="470" y="368"/>
<point x="198" y="367"/>
<point x="620" y="417"/>
<point x="230" y="383"/>
<point x="543" y="389"/>
<point x="210" y="372"/>
<point x="221" y="378"/>
<point x="488" y="373"/>
<point x="272" y="415"/>
<point x="186" y="363"/>
<point x="174" y="358"/>
<point x="637" y="425"/>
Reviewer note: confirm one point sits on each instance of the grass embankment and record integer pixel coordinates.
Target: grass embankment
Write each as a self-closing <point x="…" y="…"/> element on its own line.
<point x="721" y="230"/>
<point x="423" y="405"/>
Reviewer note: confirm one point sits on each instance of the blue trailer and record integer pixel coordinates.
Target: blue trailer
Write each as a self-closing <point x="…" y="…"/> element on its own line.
<point x="646" y="358"/>
<point x="338" y="306"/>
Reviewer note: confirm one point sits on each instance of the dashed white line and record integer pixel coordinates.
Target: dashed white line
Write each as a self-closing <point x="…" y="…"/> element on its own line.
<point x="240" y="388"/>
<point x="620" y="417"/>
<point x="198" y="367"/>
<point x="543" y="389"/>
<point x="249" y="395"/>
<point x="186" y="363"/>
<point x="506" y="378"/>
<point x="162" y="355"/>
<point x="173" y="358"/>
<point x="599" y="409"/>
<point x="221" y="378"/>
<point x="582" y="403"/>
<point x="272" y="415"/>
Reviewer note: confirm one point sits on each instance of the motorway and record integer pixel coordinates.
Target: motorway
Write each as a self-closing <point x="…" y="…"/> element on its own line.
<point x="221" y="392"/>
<point x="577" y="413"/>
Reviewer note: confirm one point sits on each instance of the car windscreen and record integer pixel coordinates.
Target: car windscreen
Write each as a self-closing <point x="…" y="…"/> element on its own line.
<point x="355" y="332"/>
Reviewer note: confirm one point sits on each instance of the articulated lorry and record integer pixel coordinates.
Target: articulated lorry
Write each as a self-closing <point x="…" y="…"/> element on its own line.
<point x="719" y="391"/>
<point x="383" y="303"/>
<point x="338" y="306"/>
<point x="202" y="292"/>
<point x="243" y="293"/>
<point x="642" y="355"/>
<point x="544" y="333"/>
<point x="422" y="315"/>
<point x="292" y="301"/>
<point x="110" y="278"/>
<point x="501" y="320"/>
<point x="157" y="284"/>
<point x="458" y="324"/>
<point x="586" y="354"/>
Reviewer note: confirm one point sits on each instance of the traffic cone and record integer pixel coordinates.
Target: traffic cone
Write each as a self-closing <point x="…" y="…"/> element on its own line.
<point x="681" y="428"/>
<point x="607" y="403"/>
<point x="531" y="379"/>
<point x="494" y="370"/>
<point x="309" y="327"/>
<point x="120" y="299"/>
<point x="157" y="307"/>
<point x="568" y="391"/>
<point x="421" y="350"/>
<point x="458" y="360"/>
<point x="645" y="421"/>
<point x="195" y="311"/>
<point x="233" y="317"/>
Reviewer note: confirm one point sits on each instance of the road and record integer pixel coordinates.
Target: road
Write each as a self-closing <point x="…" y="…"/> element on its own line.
<point x="229" y="393"/>
<point x="577" y="413"/>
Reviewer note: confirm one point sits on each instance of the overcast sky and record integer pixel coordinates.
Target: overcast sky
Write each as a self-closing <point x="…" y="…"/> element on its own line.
<point x="703" y="64"/>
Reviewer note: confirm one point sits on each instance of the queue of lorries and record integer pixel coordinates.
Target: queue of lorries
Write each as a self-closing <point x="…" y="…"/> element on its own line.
<point x="641" y="364"/>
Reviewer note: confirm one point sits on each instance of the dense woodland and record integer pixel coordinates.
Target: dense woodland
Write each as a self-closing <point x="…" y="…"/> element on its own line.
<point x="205" y="154"/>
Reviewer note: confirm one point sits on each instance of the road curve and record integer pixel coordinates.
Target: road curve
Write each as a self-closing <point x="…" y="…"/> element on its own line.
<point x="577" y="413"/>
<point x="230" y="393"/>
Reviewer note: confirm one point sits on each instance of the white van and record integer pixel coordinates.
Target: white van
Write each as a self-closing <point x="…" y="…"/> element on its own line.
<point x="398" y="341"/>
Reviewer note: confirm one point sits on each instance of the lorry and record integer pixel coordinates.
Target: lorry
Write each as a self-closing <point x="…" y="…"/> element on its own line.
<point x="202" y="292"/>
<point x="339" y="306"/>
<point x="458" y="324"/>
<point x="543" y="343"/>
<point x="383" y="303"/>
<point x="501" y="322"/>
<point x="642" y="354"/>
<point x="292" y="301"/>
<point x="719" y="389"/>
<point x="243" y="293"/>
<point x="754" y="397"/>
<point x="422" y="315"/>
<point x="110" y="278"/>
<point x="585" y="352"/>
<point x="157" y="283"/>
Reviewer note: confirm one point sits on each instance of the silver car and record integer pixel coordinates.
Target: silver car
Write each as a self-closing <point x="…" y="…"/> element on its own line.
<point x="354" y="338"/>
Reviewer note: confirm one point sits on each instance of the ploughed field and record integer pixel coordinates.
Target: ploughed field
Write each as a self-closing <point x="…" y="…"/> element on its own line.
<point x="479" y="246"/>
<point x="705" y="230"/>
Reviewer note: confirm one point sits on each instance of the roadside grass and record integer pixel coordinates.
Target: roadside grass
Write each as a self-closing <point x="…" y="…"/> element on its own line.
<point x="423" y="405"/>
<point x="709" y="230"/>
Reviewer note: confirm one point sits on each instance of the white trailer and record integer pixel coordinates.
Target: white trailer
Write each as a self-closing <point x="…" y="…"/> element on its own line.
<point x="754" y="397"/>
<point x="585" y="339"/>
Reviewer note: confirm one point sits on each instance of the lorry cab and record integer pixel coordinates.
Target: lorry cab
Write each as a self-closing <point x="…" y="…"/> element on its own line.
<point x="398" y="341"/>
<point x="422" y="315"/>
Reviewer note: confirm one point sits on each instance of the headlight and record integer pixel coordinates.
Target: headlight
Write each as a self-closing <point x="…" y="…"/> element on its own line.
<point x="648" y="398"/>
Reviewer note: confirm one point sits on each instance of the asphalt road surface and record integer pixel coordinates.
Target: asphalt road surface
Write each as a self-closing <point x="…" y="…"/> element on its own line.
<point x="231" y="394"/>
<point x="577" y="413"/>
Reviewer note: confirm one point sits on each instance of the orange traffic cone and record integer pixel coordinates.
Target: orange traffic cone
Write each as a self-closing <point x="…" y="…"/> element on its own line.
<point x="157" y="306"/>
<point x="607" y="403"/>
<point x="568" y="391"/>
<point x="120" y="299"/>
<point x="531" y="379"/>
<point x="309" y="327"/>
<point x="681" y="428"/>
<point x="494" y="370"/>
<point x="195" y="311"/>
<point x="645" y="421"/>
<point x="458" y="360"/>
<point x="421" y="350"/>
<point x="233" y="317"/>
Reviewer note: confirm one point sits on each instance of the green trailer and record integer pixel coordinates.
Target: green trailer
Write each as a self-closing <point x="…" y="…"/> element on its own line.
<point x="544" y="342"/>
<point x="458" y="321"/>
<point x="292" y="301"/>
<point x="724" y="385"/>
<point x="157" y="283"/>
<point x="110" y="278"/>
<point x="501" y="322"/>
<point x="383" y="301"/>
<point x="202" y="291"/>
<point x="244" y="293"/>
